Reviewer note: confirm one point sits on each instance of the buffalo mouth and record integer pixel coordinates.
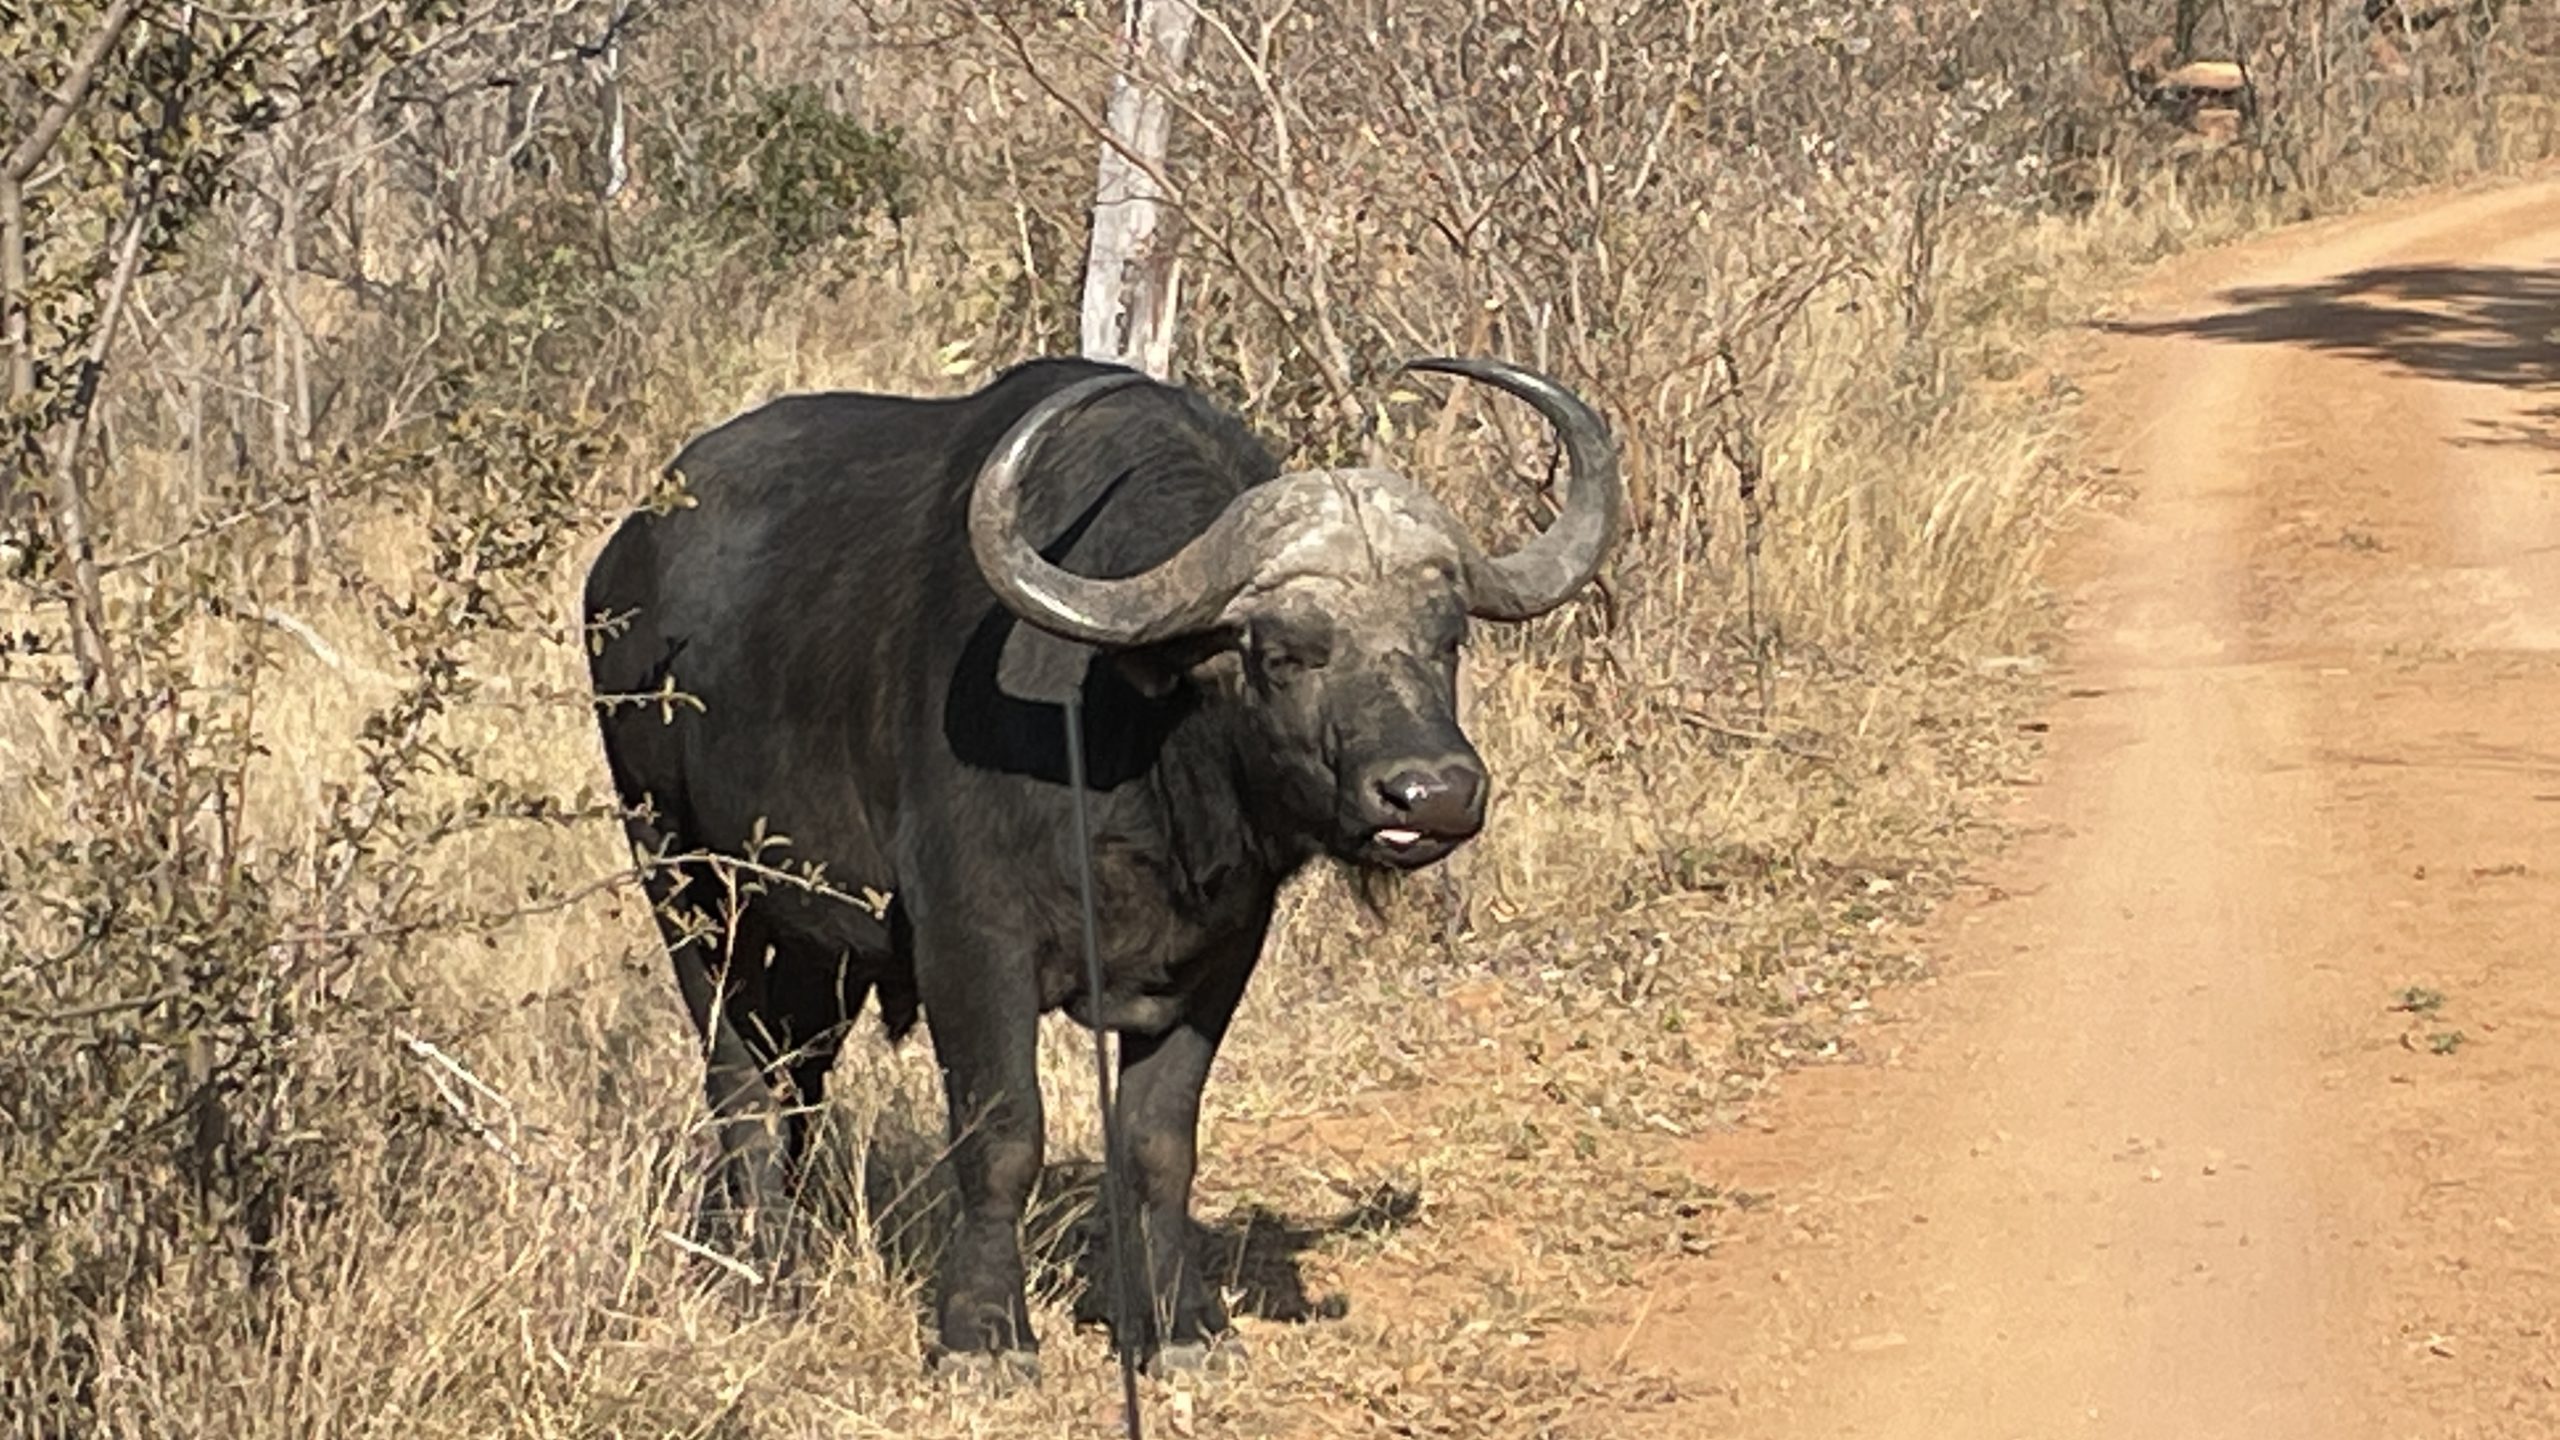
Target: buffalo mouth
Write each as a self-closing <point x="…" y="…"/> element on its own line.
<point x="1398" y="847"/>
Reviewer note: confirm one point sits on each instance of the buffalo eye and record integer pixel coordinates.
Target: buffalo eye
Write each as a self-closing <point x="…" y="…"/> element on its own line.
<point x="1449" y="637"/>
<point x="1285" y="656"/>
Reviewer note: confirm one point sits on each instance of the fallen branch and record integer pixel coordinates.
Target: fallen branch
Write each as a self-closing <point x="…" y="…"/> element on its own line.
<point x="326" y="653"/>
<point x="1698" y="721"/>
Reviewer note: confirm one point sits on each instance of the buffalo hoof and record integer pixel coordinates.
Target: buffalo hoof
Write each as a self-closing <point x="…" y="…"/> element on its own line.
<point x="1226" y="1355"/>
<point x="986" y="1372"/>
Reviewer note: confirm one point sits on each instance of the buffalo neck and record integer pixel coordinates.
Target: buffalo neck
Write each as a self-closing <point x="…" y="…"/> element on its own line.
<point x="1220" y="843"/>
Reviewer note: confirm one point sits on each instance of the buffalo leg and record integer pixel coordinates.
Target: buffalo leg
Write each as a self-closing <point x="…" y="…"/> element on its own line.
<point x="984" y="1020"/>
<point x="809" y="1067"/>
<point x="1161" y="1077"/>
<point x="748" y="1199"/>
<point x="814" y="996"/>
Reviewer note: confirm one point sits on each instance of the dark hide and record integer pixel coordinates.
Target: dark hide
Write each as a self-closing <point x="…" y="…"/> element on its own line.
<point x="865" y="698"/>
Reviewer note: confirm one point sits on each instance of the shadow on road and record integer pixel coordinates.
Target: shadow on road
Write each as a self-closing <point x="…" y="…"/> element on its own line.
<point x="2537" y="428"/>
<point x="2486" y="324"/>
<point x="2494" y="324"/>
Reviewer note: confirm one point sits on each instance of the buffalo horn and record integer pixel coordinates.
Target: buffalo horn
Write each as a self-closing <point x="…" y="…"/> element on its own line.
<point x="1182" y="596"/>
<point x="1545" y="572"/>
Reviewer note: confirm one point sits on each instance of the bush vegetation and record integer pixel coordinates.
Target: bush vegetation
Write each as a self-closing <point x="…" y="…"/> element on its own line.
<point x="341" y="1086"/>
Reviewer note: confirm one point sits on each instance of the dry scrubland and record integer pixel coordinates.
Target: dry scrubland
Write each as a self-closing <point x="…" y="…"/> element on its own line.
<point x="344" y="1089"/>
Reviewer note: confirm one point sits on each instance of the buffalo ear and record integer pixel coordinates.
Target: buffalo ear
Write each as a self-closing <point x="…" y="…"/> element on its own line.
<point x="1156" y="670"/>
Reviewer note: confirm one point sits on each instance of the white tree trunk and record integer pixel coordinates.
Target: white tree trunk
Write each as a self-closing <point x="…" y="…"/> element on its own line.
<point x="1130" y="279"/>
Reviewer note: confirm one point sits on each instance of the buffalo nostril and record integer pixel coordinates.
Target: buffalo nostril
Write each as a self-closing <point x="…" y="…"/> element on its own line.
<point x="1446" y="802"/>
<point x="1408" y="790"/>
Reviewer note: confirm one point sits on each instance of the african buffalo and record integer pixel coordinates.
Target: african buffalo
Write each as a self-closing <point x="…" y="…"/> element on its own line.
<point x="875" y="604"/>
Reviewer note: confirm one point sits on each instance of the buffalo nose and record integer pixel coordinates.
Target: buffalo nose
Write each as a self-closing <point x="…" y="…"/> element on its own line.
<point x="1447" y="802"/>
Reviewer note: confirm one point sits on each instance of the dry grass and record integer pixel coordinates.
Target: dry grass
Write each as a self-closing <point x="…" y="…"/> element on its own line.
<point x="1664" y="912"/>
<point x="1446" y="1137"/>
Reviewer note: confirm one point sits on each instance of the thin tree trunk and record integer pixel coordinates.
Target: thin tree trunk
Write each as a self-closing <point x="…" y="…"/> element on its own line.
<point x="20" y="163"/>
<point x="13" y="331"/>
<point x="2480" y="28"/>
<point x="2323" y="142"/>
<point x="227" y="356"/>
<point x="1132" y="279"/>
<point x="300" y="336"/>
<point x="246" y="352"/>
<point x="278" y="386"/>
<point x="290" y="363"/>
<point x="197" y="438"/>
<point x="2417" y="59"/>
<point x="72" y="530"/>
<point x="617" y="135"/>
<point x="2123" y="53"/>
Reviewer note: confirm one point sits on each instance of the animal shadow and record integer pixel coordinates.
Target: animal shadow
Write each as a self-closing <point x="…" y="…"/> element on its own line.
<point x="881" y="1185"/>
<point x="1253" y="1251"/>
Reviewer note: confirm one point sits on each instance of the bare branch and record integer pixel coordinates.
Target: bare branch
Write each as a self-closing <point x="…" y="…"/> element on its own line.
<point x="65" y="101"/>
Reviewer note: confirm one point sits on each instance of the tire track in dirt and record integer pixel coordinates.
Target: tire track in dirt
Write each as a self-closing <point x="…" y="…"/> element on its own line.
<point x="2157" y="1156"/>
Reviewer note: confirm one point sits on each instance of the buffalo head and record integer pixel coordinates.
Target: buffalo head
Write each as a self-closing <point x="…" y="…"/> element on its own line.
<point x="1333" y="603"/>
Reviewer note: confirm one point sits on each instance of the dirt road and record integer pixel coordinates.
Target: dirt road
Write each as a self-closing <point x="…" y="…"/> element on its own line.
<point x="2236" y="1112"/>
